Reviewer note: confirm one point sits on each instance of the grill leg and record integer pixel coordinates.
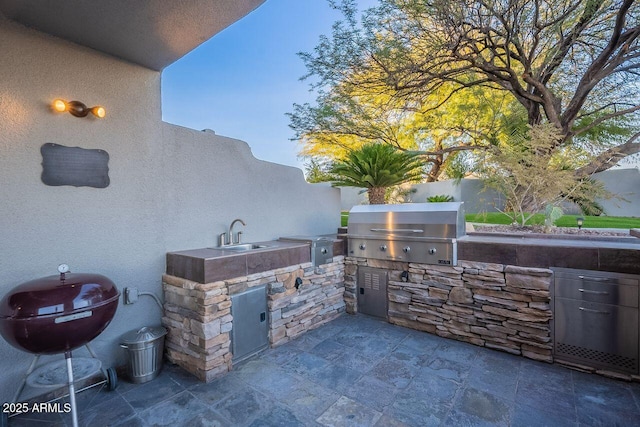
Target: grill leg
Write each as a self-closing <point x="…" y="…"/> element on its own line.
<point x="24" y="380"/>
<point x="91" y="351"/>
<point x="72" y="391"/>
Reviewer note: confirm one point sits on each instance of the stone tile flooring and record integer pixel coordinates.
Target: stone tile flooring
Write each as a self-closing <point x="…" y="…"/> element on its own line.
<point x="359" y="371"/>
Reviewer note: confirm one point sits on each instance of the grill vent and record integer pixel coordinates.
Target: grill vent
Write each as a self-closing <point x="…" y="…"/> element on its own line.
<point x="600" y="357"/>
<point x="372" y="281"/>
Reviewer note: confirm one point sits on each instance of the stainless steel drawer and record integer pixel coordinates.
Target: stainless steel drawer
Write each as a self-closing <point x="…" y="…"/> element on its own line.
<point x="596" y="276"/>
<point x="598" y="335"/>
<point x="604" y="291"/>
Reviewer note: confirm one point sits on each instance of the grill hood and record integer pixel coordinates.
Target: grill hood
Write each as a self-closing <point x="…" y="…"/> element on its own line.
<point x="413" y="220"/>
<point x="57" y="313"/>
<point x="53" y="296"/>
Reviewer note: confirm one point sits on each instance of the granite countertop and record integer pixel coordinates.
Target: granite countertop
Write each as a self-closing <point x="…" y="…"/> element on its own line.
<point x="615" y="254"/>
<point x="221" y="252"/>
<point x="537" y="239"/>
<point x="206" y="265"/>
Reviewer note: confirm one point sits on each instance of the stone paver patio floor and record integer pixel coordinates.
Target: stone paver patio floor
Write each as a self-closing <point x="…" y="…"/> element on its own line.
<point x="360" y="371"/>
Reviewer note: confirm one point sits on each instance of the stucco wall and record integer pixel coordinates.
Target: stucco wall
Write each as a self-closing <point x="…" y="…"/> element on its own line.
<point x="476" y="198"/>
<point x="469" y="191"/>
<point x="623" y="183"/>
<point x="171" y="188"/>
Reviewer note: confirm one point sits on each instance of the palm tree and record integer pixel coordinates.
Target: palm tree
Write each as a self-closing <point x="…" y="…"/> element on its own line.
<point x="376" y="167"/>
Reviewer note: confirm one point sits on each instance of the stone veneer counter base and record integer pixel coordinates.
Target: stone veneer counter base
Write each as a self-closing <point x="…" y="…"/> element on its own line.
<point x="498" y="296"/>
<point x="498" y="306"/>
<point x="198" y="315"/>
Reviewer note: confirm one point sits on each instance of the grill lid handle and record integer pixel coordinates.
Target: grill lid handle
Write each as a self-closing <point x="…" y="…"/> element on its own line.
<point x="389" y="230"/>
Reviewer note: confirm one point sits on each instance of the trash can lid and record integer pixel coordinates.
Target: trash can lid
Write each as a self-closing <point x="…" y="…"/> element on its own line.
<point x="144" y="334"/>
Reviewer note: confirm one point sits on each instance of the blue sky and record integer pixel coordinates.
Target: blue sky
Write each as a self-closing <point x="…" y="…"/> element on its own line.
<point x="242" y="82"/>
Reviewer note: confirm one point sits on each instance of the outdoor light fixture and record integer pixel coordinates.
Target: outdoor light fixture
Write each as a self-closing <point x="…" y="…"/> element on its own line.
<point x="580" y="221"/>
<point x="77" y="108"/>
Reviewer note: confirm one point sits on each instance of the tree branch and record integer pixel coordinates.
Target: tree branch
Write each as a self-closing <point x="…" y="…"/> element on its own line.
<point x="590" y="12"/>
<point x="451" y="150"/>
<point x="593" y="74"/>
<point x="604" y="118"/>
<point x="610" y="157"/>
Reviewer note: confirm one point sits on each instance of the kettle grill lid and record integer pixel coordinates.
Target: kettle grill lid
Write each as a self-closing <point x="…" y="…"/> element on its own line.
<point x="58" y="295"/>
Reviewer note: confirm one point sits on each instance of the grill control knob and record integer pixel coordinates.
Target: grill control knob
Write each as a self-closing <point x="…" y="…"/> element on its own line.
<point x="432" y="251"/>
<point x="323" y="251"/>
<point x="362" y="246"/>
<point x="383" y="248"/>
<point x="406" y="249"/>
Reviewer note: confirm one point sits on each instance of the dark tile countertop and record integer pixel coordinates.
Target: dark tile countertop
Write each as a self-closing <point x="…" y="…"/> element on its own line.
<point x="616" y="254"/>
<point x="206" y="265"/>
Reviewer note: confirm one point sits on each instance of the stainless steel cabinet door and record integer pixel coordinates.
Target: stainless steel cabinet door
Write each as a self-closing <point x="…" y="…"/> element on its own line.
<point x="599" y="335"/>
<point x="372" y="291"/>
<point x="250" y="332"/>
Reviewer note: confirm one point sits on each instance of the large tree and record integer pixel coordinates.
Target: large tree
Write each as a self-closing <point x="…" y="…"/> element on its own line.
<point x="571" y="63"/>
<point x="347" y="117"/>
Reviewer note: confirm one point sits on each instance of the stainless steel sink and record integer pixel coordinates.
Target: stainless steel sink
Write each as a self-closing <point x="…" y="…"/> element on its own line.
<point x="241" y="247"/>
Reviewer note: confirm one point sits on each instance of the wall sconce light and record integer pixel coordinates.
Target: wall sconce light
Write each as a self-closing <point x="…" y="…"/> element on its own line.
<point x="77" y="108"/>
<point x="580" y="221"/>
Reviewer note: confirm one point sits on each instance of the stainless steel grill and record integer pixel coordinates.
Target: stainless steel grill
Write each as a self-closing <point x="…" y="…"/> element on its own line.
<point x="424" y="233"/>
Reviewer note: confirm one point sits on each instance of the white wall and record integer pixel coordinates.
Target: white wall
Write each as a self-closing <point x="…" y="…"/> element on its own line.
<point x="476" y="198"/>
<point x="171" y="188"/>
<point x="469" y="191"/>
<point x="352" y="196"/>
<point x="623" y="183"/>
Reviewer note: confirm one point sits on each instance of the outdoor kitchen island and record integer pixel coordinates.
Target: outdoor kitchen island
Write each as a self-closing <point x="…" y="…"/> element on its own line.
<point x="202" y="285"/>
<point x="500" y="293"/>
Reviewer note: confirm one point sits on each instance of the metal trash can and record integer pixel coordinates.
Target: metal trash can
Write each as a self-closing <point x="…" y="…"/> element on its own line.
<point x="144" y="348"/>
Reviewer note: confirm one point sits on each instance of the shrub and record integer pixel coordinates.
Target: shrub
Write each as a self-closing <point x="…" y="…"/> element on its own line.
<point x="376" y="167"/>
<point x="551" y="215"/>
<point x="440" y="198"/>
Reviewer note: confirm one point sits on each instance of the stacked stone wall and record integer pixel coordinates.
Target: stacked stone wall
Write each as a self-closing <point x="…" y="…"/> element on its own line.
<point x="198" y="316"/>
<point x="498" y="306"/>
<point x="317" y="300"/>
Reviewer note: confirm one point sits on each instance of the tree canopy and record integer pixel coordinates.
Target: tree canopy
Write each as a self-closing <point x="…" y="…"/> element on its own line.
<point x="473" y="71"/>
<point x="347" y="118"/>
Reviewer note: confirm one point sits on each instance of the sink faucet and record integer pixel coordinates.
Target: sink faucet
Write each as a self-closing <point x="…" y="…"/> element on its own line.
<point x="227" y="238"/>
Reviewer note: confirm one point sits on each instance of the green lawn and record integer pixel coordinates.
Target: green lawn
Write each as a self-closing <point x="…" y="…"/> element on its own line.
<point x="344" y="218"/>
<point x="564" y="221"/>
